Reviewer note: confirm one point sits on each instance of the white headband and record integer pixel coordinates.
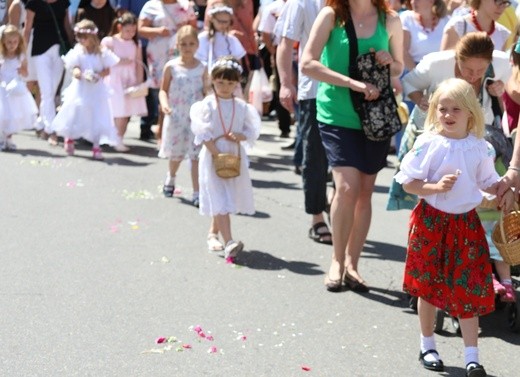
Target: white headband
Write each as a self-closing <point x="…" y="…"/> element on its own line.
<point x="77" y="30"/>
<point x="227" y="64"/>
<point x="220" y="9"/>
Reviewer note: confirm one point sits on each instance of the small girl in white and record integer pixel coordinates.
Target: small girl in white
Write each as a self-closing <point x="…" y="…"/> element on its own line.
<point x="221" y="114"/>
<point x="447" y="262"/>
<point x="183" y="83"/>
<point x="18" y="110"/>
<point x="86" y="111"/>
<point x="217" y="42"/>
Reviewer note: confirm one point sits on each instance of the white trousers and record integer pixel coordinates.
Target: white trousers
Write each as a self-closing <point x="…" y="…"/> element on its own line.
<point x="49" y="69"/>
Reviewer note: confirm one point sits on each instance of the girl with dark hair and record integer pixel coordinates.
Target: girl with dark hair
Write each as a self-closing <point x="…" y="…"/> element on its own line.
<point x="223" y="123"/>
<point x="128" y="72"/>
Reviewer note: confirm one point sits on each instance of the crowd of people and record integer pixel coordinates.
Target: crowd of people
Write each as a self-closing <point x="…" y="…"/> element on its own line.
<point x="82" y="70"/>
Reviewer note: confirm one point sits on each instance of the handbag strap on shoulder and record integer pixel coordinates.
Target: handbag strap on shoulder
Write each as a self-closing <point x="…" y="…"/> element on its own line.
<point x="352" y="38"/>
<point x="62" y="41"/>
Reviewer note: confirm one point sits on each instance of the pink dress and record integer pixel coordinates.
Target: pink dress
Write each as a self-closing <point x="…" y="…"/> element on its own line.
<point x="122" y="76"/>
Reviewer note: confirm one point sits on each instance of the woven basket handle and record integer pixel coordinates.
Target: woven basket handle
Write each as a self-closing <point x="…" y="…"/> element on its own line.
<point x="501" y="222"/>
<point x="238" y="143"/>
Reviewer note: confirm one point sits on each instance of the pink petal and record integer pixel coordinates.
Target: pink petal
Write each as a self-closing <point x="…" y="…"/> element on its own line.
<point x="230" y="260"/>
<point x="210" y="338"/>
<point x="186" y="346"/>
<point x="197" y="329"/>
<point x="306" y="368"/>
<point x="212" y="349"/>
<point x="202" y="335"/>
<point x="160" y="340"/>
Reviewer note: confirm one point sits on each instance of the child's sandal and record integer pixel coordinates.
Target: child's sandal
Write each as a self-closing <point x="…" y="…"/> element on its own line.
<point x="214" y="243"/>
<point x="168" y="191"/>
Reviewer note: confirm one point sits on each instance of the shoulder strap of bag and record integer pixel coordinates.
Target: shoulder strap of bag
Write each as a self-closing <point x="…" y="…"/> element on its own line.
<point x="352" y="38"/>
<point x="62" y="41"/>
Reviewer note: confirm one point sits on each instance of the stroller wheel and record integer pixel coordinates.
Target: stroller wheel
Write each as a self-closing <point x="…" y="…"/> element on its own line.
<point x="513" y="317"/>
<point x="456" y="325"/>
<point x="439" y="320"/>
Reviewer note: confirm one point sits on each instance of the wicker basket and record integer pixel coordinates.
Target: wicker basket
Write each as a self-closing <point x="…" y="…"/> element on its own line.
<point x="506" y="237"/>
<point x="140" y="90"/>
<point x="227" y="165"/>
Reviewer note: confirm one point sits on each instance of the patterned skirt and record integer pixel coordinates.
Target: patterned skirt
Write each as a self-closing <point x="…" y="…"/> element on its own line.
<point x="447" y="262"/>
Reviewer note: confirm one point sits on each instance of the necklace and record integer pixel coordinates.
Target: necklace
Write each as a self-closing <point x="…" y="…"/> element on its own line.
<point x="435" y="21"/>
<point x="222" y="119"/>
<point x="477" y="25"/>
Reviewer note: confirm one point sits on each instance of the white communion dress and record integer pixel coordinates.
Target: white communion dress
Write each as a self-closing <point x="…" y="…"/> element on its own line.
<point x="220" y="196"/>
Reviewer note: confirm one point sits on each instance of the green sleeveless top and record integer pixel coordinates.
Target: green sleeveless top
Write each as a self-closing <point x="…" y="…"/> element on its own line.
<point x="333" y="104"/>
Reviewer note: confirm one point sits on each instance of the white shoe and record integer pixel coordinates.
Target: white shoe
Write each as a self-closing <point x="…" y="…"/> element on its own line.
<point x="121" y="148"/>
<point x="9" y="145"/>
<point x="232" y="249"/>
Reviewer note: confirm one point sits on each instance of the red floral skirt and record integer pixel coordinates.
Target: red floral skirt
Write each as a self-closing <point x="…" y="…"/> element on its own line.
<point x="447" y="262"/>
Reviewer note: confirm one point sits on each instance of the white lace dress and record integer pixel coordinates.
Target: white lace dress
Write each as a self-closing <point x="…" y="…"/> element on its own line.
<point x="219" y="196"/>
<point x="18" y="111"/>
<point x="86" y="112"/>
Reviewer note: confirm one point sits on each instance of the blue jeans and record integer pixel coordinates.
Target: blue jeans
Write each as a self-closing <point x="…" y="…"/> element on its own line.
<point x="315" y="165"/>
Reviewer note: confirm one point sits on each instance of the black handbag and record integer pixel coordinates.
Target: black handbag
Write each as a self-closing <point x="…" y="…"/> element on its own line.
<point x="379" y="118"/>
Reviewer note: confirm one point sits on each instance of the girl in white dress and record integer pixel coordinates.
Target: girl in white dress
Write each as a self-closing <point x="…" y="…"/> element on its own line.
<point x="18" y="110"/>
<point x="447" y="262"/>
<point x="222" y="114"/>
<point x="217" y="42"/>
<point x="86" y="111"/>
<point x="183" y="83"/>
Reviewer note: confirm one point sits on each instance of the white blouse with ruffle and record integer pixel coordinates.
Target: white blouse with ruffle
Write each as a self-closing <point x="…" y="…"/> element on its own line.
<point x="434" y="156"/>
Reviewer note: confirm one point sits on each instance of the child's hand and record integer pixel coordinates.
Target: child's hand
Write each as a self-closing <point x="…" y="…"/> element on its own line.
<point x="76" y="73"/>
<point x="163" y="31"/>
<point x="104" y="72"/>
<point x="235" y="136"/>
<point x="22" y="71"/>
<point x="446" y="183"/>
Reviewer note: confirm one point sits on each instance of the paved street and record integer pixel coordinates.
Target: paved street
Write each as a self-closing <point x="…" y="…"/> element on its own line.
<point x="95" y="265"/>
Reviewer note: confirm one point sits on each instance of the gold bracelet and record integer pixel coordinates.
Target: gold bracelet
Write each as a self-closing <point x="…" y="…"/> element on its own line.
<point x="513" y="168"/>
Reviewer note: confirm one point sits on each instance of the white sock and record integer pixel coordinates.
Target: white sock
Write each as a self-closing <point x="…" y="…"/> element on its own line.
<point x="170" y="181"/>
<point x="195" y="194"/>
<point x="506" y="281"/>
<point x="428" y="343"/>
<point x="471" y="355"/>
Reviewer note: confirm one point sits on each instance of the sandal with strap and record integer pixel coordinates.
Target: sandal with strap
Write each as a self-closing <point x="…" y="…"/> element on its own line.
<point x="214" y="243"/>
<point x="168" y="190"/>
<point x="437" y="366"/>
<point x="319" y="235"/>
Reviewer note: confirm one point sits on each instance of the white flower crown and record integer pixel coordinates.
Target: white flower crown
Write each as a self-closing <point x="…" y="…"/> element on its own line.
<point x="220" y="9"/>
<point x="227" y="64"/>
<point x="77" y="30"/>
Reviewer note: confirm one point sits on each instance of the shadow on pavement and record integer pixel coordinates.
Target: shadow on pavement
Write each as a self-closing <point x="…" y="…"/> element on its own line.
<point x="37" y="153"/>
<point x="276" y="162"/>
<point x="275" y="184"/>
<point x="259" y="260"/>
<point x="386" y="251"/>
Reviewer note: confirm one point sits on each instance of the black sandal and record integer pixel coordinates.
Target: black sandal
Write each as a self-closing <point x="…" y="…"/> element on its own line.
<point x="437" y="366"/>
<point x="168" y="191"/>
<point x="320" y="237"/>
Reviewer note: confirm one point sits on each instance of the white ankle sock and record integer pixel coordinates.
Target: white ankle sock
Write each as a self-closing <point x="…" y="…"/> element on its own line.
<point x="428" y="343"/>
<point x="170" y="181"/>
<point x="506" y="281"/>
<point x="471" y="355"/>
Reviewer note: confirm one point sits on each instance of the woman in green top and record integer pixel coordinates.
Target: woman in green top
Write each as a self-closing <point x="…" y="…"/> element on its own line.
<point x="355" y="160"/>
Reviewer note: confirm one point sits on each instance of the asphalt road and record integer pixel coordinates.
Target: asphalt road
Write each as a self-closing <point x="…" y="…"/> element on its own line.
<point x="95" y="265"/>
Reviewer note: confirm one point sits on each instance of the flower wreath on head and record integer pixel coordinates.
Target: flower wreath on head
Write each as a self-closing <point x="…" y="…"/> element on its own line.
<point x="227" y="64"/>
<point x="220" y="9"/>
<point x="77" y="30"/>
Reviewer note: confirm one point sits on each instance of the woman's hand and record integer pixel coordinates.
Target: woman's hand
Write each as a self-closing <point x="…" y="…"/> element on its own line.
<point x="510" y="180"/>
<point x="423" y="103"/>
<point x="384" y="57"/>
<point x="370" y="91"/>
<point x="496" y="88"/>
<point x="163" y="31"/>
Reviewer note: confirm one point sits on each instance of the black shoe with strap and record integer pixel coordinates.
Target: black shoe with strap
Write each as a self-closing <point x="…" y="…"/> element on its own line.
<point x="437" y="366"/>
<point x="475" y="370"/>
